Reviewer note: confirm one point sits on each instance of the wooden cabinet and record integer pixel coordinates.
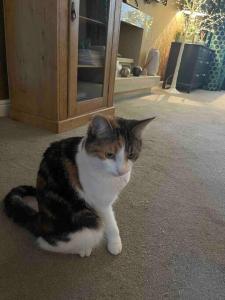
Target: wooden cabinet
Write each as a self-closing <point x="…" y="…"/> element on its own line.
<point x="194" y="68"/>
<point x="3" y="69"/>
<point x="61" y="59"/>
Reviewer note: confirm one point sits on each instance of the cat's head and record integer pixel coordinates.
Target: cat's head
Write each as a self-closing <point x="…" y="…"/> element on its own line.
<point x="115" y="143"/>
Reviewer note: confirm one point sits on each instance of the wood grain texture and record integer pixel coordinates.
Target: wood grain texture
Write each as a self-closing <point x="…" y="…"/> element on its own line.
<point x="115" y="45"/>
<point x="73" y="61"/>
<point x="3" y="69"/>
<point x="58" y="126"/>
<point x="90" y="105"/>
<point x="108" y="57"/>
<point x="35" y="121"/>
<point x="62" y="71"/>
<point x="42" y="55"/>
<point x="83" y="119"/>
<point x="75" y="108"/>
<point x="31" y="40"/>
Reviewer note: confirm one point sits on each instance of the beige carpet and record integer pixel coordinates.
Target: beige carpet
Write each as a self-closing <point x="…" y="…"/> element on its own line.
<point x="171" y="216"/>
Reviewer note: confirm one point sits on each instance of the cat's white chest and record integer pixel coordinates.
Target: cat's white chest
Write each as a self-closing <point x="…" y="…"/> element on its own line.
<point x="99" y="189"/>
<point x="102" y="191"/>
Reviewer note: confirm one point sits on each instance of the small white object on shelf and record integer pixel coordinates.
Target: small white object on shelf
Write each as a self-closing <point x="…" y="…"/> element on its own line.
<point x="153" y="62"/>
<point x="118" y="68"/>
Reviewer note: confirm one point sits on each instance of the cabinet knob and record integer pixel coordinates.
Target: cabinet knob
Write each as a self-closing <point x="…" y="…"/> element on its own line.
<point x="204" y="75"/>
<point x="197" y="75"/>
<point x="73" y="11"/>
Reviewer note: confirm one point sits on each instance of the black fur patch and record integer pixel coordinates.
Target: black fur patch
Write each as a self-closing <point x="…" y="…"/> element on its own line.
<point x="61" y="209"/>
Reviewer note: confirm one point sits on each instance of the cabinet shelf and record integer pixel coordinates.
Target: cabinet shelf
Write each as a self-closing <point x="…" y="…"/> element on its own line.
<point x="90" y="66"/>
<point x="92" y="20"/>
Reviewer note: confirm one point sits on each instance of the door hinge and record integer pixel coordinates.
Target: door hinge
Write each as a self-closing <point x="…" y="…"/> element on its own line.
<point x="73" y="11"/>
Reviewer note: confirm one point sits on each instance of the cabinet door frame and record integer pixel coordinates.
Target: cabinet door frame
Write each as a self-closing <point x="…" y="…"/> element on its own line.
<point x="76" y="108"/>
<point x="72" y="57"/>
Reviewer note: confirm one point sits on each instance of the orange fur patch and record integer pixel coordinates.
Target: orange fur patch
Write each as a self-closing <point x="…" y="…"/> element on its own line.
<point x="41" y="183"/>
<point x="73" y="176"/>
<point x="100" y="150"/>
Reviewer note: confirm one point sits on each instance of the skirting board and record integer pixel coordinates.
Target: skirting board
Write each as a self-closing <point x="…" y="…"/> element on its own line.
<point x="58" y="126"/>
<point x="4" y="107"/>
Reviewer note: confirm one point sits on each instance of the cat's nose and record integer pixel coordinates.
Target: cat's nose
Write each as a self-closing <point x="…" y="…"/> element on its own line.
<point x="122" y="172"/>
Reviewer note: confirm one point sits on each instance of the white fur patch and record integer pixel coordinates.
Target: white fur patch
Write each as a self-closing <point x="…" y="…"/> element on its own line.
<point x="114" y="244"/>
<point x="101" y="186"/>
<point x="81" y="242"/>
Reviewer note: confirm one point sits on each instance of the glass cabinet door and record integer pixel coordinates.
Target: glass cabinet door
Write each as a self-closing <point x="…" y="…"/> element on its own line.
<point x="92" y="46"/>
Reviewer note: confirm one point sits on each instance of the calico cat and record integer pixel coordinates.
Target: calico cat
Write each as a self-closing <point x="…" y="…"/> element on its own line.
<point x="79" y="179"/>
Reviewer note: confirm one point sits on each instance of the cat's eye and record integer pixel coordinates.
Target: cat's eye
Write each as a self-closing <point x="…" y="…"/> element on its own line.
<point x="109" y="155"/>
<point x="130" y="155"/>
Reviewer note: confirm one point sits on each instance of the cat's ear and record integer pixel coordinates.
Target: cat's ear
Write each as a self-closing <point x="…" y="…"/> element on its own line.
<point x="139" y="126"/>
<point x="100" y="127"/>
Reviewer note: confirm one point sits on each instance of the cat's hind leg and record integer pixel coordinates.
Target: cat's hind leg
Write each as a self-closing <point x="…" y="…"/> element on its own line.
<point x="81" y="242"/>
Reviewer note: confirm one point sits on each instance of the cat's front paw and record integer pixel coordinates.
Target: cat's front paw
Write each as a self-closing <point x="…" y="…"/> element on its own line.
<point x="115" y="246"/>
<point x="85" y="252"/>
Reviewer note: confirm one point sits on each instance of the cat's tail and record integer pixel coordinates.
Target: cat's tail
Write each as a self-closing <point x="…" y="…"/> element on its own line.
<point x="21" y="212"/>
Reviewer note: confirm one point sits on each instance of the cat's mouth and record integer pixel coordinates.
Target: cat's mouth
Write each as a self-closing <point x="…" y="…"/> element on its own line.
<point x="121" y="175"/>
